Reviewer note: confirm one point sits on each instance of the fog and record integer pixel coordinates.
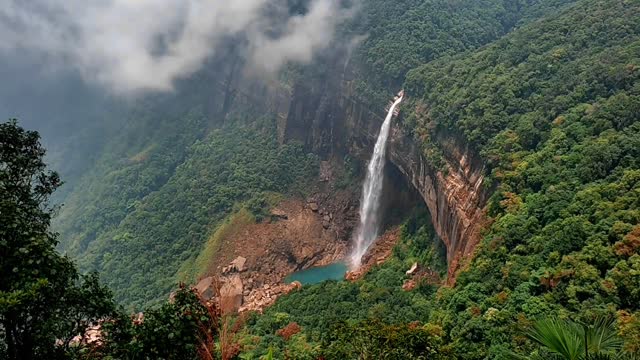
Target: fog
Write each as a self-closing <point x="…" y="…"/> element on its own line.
<point x="72" y="68"/>
<point x="133" y="46"/>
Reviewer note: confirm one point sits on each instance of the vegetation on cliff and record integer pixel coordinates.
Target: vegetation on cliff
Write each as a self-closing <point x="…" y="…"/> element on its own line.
<point x="165" y="205"/>
<point x="553" y="108"/>
<point x="547" y="92"/>
<point x="371" y="307"/>
<point x="403" y="35"/>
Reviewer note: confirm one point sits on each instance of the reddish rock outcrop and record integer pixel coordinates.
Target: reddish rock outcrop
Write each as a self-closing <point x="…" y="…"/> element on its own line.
<point x="455" y="196"/>
<point x="378" y="253"/>
<point x="231" y="294"/>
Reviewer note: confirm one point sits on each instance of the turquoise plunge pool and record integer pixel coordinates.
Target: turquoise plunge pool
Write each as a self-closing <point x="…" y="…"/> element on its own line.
<point x="318" y="274"/>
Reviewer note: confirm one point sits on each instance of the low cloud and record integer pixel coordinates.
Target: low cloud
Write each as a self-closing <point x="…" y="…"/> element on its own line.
<point x="137" y="45"/>
<point x="302" y="36"/>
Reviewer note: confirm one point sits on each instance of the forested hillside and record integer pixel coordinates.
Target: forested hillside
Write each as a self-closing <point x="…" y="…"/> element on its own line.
<point x="107" y="219"/>
<point x="402" y="35"/>
<point x="166" y="204"/>
<point x="554" y="110"/>
<point x="546" y="95"/>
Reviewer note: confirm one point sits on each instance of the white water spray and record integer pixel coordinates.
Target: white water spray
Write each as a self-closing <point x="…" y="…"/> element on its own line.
<point x="371" y="192"/>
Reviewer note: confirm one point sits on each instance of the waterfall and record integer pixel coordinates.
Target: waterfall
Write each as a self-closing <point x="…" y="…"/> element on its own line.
<point x="367" y="230"/>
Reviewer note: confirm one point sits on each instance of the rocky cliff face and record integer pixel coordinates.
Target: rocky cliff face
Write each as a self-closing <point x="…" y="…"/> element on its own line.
<point x="332" y="122"/>
<point x="455" y="197"/>
<point x="335" y="123"/>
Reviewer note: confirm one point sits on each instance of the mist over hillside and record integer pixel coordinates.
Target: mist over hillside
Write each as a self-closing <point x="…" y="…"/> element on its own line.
<point x="131" y="46"/>
<point x="219" y="161"/>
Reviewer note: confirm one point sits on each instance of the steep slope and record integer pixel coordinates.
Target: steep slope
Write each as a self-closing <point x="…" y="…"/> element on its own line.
<point x="166" y="229"/>
<point x="143" y="156"/>
<point x="326" y="113"/>
<point x="401" y="35"/>
<point x="337" y="112"/>
<point x="553" y="112"/>
<point x="554" y="109"/>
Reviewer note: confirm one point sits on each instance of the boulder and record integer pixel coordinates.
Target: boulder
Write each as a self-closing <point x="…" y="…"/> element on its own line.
<point x="206" y="288"/>
<point x="413" y="269"/>
<point x="239" y="264"/>
<point x="278" y="213"/>
<point x="313" y="206"/>
<point x="231" y="294"/>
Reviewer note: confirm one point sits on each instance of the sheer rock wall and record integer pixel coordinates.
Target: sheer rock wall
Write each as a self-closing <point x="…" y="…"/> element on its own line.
<point x="330" y="120"/>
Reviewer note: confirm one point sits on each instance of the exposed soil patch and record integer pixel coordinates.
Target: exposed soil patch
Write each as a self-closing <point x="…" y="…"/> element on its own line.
<point x="300" y="233"/>
<point x="293" y="240"/>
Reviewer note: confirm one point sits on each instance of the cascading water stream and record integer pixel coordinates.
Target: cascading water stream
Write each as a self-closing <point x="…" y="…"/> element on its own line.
<point x="371" y="191"/>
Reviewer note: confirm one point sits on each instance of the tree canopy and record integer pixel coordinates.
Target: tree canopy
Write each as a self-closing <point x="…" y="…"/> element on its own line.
<point x="44" y="301"/>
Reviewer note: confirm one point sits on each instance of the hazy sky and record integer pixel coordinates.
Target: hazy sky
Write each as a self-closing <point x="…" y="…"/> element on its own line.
<point x="135" y="45"/>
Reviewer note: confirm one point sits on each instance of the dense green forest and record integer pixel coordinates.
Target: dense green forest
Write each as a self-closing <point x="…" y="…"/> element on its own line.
<point x="147" y="202"/>
<point x="554" y="110"/>
<point x="327" y="310"/>
<point x="546" y="92"/>
<point x="402" y="35"/>
<point x="163" y="205"/>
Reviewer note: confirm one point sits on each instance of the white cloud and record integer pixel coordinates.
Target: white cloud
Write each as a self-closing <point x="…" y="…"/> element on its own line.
<point x="133" y="45"/>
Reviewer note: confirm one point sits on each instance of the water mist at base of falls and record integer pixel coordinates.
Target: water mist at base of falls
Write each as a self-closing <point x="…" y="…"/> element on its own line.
<point x="367" y="230"/>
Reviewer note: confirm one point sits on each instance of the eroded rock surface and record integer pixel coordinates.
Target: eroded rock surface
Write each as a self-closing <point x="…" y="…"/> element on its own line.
<point x="207" y="288"/>
<point x="454" y="195"/>
<point x="231" y="294"/>
<point x="378" y="253"/>
<point x="301" y="233"/>
<point x="260" y="298"/>
<point x="332" y="121"/>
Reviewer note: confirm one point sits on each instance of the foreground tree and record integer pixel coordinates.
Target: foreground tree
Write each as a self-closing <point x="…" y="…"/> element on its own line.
<point x="563" y="339"/>
<point x="187" y="327"/>
<point x="44" y="301"/>
<point x="46" y="306"/>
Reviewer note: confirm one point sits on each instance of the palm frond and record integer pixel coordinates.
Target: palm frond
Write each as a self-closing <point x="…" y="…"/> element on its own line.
<point x="558" y="336"/>
<point x="601" y="356"/>
<point x="602" y="336"/>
